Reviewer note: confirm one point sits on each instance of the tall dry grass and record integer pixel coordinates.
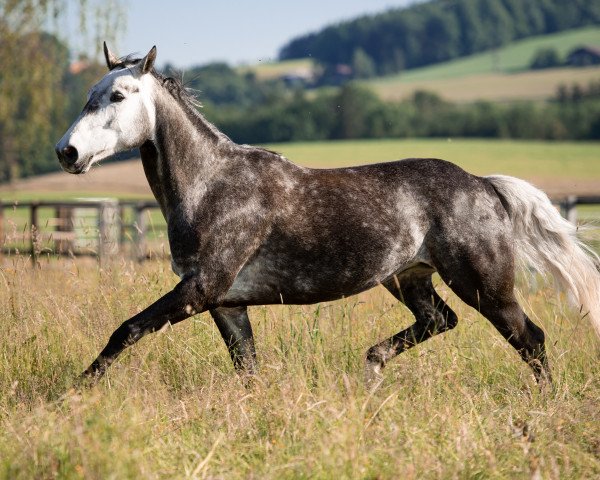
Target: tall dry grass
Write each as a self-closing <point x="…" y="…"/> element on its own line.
<point x="462" y="405"/>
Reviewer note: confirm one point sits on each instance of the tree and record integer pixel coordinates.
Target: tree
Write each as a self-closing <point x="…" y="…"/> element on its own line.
<point x="354" y="105"/>
<point x="33" y="98"/>
<point x="362" y="65"/>
<point x="545" y="58"/>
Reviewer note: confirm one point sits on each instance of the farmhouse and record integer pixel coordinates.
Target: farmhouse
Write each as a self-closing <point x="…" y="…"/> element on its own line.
<point x="584" y="56"/>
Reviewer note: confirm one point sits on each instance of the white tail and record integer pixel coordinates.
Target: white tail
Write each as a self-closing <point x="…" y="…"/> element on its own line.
<point x="549" y="243"/>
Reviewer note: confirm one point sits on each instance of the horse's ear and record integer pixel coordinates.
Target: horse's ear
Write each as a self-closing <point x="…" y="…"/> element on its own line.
<point x="111" y="59"/>
<point x="148" y="61"/>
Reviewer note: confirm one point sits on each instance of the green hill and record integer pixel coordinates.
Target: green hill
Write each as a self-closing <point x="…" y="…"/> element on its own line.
<point x="499" y="76"/>
<point x="511" y="58"/>
<point x="427" y="33"/>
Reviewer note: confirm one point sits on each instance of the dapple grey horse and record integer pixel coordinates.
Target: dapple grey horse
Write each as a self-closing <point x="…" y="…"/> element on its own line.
<point x="248" y="227"/>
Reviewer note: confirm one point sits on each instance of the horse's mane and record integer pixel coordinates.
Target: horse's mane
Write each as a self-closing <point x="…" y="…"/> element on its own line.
<point x="184" y="96"/>
<point x="173" y="85"/>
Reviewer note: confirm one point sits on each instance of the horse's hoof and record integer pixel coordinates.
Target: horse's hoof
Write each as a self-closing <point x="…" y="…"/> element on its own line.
<point x="87" y="379"/>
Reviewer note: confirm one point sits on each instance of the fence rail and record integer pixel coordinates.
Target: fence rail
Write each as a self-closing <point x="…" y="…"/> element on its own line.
<point x="116" y="225"/>
<point x="110" y="226"/>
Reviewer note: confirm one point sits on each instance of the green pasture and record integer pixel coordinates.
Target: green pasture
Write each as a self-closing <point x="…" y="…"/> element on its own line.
<point x="461" y="405"/>
<point x="565" y="165"/>
<point x="528" y="159"/>
<point x="511" y="58"/>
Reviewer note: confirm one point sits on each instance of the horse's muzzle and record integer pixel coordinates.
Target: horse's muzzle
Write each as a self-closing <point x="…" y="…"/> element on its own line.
<point x="68" y="157"/>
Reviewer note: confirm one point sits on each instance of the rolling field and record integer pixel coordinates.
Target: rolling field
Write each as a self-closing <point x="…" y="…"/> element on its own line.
<point x="512" y="58"/>
<point x="461" y="405"/>
<point x="498" y="76"/>
<point x="501" y="75"/>
<point x="559" y="168"/>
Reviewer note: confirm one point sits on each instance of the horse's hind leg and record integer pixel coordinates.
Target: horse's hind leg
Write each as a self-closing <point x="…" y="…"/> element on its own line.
<point x="234" y="326"/>
<point x="488" y="286"/>
<point x="432" y="316"/>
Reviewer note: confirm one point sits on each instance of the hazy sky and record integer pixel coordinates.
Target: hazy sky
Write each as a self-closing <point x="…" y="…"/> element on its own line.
<point x="194" y="32"/>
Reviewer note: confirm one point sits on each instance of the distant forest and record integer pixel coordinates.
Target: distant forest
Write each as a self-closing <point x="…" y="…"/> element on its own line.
<point x="42" y="91"/>
<point x="437" y="31"/>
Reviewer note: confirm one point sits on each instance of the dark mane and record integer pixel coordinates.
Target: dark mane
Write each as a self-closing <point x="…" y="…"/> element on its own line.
<point x="184" y="96"/>
<point x="173" y="85"/>
<point x="127" y="61"/>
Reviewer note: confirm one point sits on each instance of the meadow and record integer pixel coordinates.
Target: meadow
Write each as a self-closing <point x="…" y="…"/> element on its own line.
<point x="461" y="405"/>
<point x="500" y="75"/>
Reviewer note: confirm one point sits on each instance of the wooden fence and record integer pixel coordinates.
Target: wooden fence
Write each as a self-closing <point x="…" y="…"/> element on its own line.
<point x="119" y="227"/>
<point x="52" y="227"/>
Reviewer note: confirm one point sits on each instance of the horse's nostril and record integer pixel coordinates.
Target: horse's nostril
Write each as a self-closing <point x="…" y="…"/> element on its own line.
<point x="69" y="154"/>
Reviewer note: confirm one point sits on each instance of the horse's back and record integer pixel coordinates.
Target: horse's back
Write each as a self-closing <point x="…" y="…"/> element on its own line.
<point x="342" y="231"/>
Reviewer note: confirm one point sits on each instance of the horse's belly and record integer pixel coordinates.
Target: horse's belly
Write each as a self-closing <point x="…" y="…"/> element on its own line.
<point x="293" y="281"/>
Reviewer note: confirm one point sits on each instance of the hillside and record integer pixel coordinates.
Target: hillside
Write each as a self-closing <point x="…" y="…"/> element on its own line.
<point x="436" y="31"/>
<point x="512" y="58"/>
<point x="559" y="168"/>
<point x="499" y="76"/>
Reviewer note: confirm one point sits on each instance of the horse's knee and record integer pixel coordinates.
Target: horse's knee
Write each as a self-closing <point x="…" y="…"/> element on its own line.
<point x="436" y="319"/>
<point x="199" y="296"/>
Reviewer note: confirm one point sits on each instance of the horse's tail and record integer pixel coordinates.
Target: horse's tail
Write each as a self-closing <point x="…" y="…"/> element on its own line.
<point x="548" y="243"/>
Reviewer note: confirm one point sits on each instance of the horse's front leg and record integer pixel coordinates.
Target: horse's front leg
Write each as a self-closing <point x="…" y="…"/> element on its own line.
<point x="185" y="300"/>
<point x="235" y="328"/>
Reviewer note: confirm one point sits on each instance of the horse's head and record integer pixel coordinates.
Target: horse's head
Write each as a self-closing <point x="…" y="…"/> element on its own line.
<point x="119" y="115"/>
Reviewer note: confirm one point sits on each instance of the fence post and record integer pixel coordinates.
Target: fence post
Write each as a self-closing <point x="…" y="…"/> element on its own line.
<point x="34" y="231"/>
<point x="64" y="219"/>
<point x="2" y="240"/>
<point x="107" y="230"/>
<point x="140" y="232"/>
<point x="570" y="207"/>
<point x="122" y="232"/>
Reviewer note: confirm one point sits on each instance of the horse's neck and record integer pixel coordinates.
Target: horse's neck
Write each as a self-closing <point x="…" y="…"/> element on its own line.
<point x="186" y="148"/>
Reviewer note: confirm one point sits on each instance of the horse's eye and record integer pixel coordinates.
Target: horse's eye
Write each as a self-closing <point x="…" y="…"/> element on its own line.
<point x="116" y="97"/>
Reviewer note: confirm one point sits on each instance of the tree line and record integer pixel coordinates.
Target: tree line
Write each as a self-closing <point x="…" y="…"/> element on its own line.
<point x="354" y="112"/>
<point x="42" y="91"/>
<point x="39" y="91"/>
<point x="437" y="31"/>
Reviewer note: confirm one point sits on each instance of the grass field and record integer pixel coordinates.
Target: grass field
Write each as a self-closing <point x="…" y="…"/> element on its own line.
<point x="500" y="76"/>
<point x="535" y="85"/>
<point x="512" y="58"/>
<point x="559" y="168"/>
<point x="462" y="405"/>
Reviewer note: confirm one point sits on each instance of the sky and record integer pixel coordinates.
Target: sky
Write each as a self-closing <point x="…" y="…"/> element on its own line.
<point x="190" y="33"/>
